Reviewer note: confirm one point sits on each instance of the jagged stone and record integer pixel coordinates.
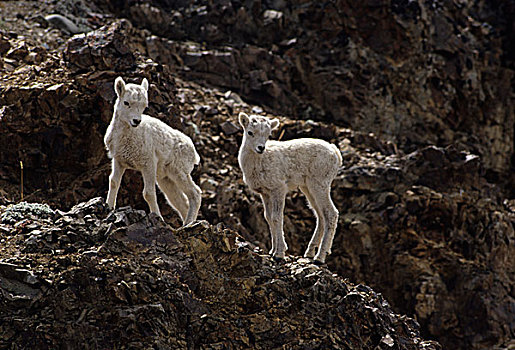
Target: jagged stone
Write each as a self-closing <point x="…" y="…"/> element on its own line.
<point x="105" y="49"/>
<point x="138" y="282"/>
<point x="5" y="45"/>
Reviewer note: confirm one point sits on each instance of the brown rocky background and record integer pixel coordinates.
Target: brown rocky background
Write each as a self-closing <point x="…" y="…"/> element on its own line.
<point x="418" y="95"/>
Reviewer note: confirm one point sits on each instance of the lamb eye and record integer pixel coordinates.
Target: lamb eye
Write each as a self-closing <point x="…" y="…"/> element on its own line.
<point x="250" y="133"/>
<point x="126" y="103"/>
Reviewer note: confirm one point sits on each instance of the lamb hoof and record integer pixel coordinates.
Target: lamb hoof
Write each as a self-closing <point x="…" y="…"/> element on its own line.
<point x="319" y="259"/>
<point x="318" y="262"/>
<point x="278" y="259"/>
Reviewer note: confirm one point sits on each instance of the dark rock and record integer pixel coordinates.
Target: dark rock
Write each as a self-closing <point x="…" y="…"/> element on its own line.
<point x="138" y="283"/>
<point x="229" y="128"/>
<point x="17" y="273"/>
<point x="95" y="206"/>
<point x="5" y="45"/>
<point x="105" y="49"/>
<point x="406" y="65"/>
<point x="432" y="235"/>
<point x="18" y="52"/>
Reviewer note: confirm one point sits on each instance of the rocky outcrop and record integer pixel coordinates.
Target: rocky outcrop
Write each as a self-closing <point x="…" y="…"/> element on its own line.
<point x="413" y="72"/>
<point x="95" y="279"/>
<point x="439" y="236"/>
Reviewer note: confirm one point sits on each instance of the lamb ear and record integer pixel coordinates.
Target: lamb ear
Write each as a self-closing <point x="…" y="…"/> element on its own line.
<point x="274" y="123"/>
<point x="119" y="86"/>
<point x="144" y="84"/>
<point x="243" y="119"/>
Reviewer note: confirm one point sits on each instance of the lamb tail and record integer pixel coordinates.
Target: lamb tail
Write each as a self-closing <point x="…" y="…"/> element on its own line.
<point x="339" y="154"/>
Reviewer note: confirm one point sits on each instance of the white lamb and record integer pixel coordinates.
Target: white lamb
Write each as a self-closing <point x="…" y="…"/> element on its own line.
<point x="272" y="168"/>
<point x="161" y="153"/>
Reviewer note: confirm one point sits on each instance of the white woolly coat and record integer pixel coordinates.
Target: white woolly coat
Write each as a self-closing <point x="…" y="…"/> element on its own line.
<point x="134" y="147"/>
<point x="290" y="163"/>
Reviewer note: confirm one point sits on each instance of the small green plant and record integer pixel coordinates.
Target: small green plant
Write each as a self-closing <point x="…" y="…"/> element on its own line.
<point x="24" y="210"/>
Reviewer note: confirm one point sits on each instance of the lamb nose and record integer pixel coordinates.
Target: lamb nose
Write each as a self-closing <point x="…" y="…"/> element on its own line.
<point x="136" y="121"/>
<point x="261" y="149"/>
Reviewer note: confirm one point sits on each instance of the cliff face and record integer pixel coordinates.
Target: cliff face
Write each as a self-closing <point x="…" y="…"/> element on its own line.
<point x="416" y="95"/>
<point x="414" y="72"/>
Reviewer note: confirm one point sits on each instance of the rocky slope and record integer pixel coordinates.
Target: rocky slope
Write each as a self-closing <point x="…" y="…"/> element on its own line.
<point x="413" y="72"/>
<point x="89" y="279"/>
<point x="426" y="200"/>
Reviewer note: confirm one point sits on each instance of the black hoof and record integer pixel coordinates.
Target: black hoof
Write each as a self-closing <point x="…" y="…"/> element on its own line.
<point x="277" y="259"/>
<point x="318" y="262"/>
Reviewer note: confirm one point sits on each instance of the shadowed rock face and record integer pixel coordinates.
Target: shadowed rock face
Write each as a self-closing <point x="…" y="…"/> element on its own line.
<point x="414" y="72"/>
<point x="428" y="225"/>
<point x="94" y="279"/>
<point x="438" y="235"/>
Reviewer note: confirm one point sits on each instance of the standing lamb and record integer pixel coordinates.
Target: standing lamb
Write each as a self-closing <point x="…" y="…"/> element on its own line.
<point x="272" y="168"/>
<point x="161" y="153"/>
